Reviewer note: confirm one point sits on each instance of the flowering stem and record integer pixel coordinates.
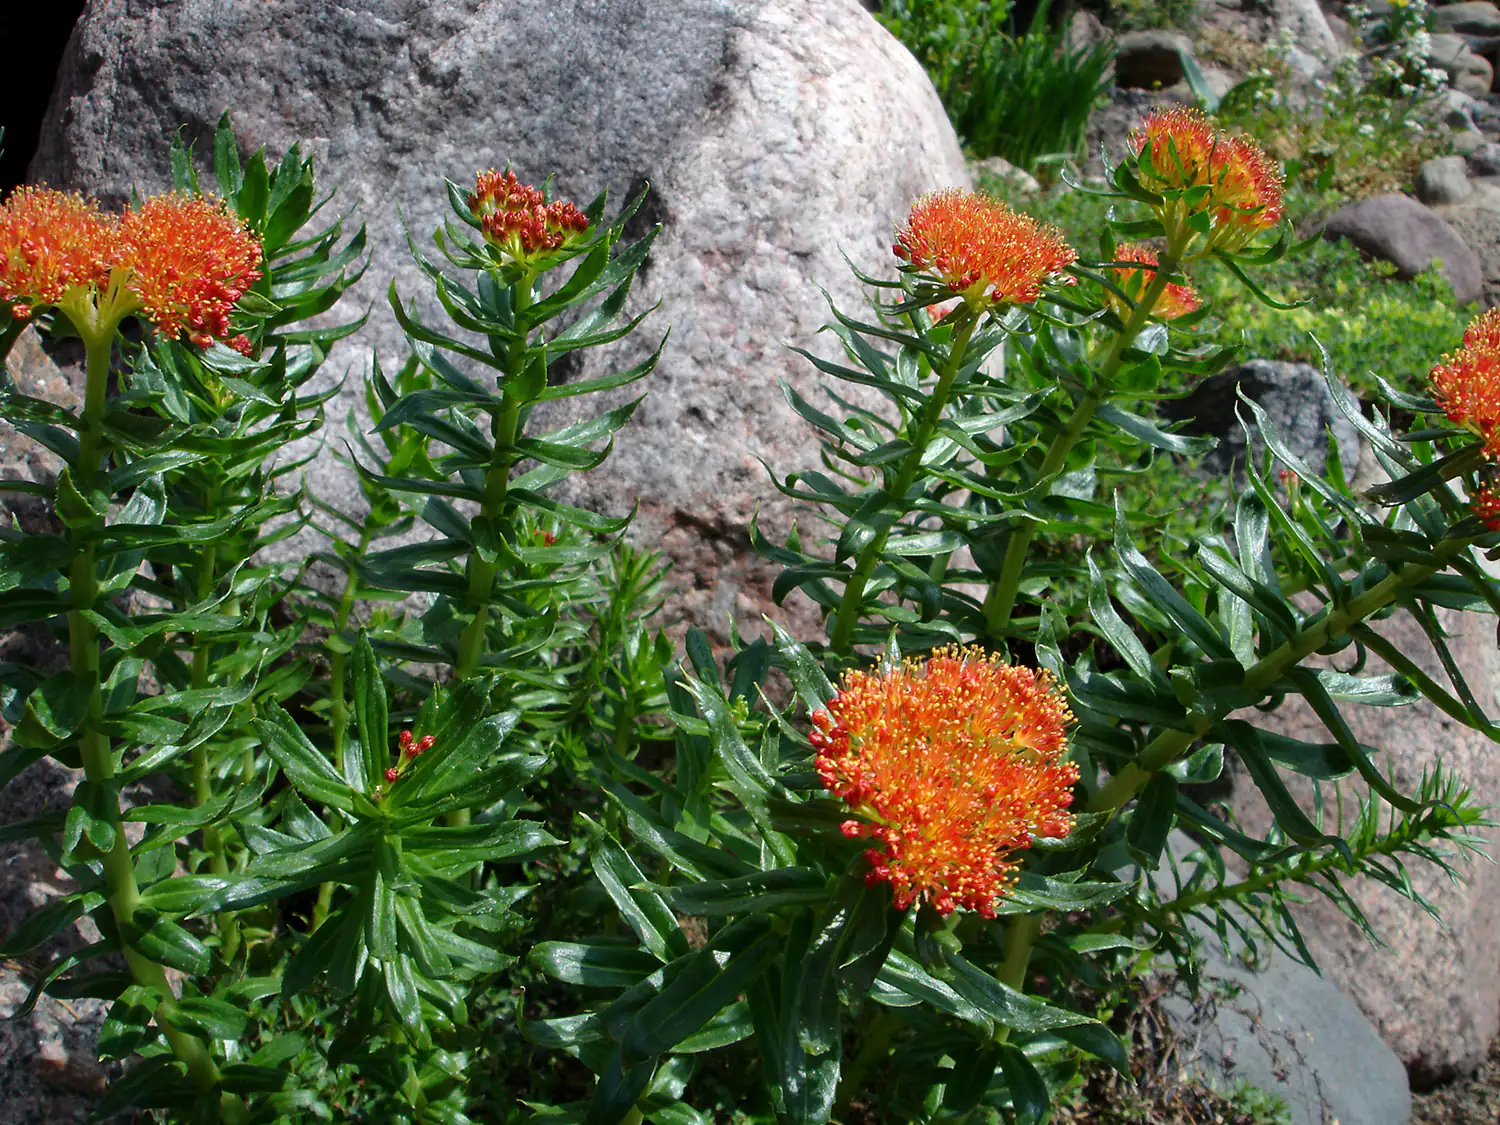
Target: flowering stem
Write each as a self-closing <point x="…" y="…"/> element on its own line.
<point x="338" y="711"/>
<point x="1171" y="745"/>
<point x="94" y="746"/>
<point x="847" y="616"/>
<point x="505" y="428"/>
<point x="1001" y="599"/>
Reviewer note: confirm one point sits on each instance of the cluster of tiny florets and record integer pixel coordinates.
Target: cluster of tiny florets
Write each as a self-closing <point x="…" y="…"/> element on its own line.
<point x="517" y="219"/>
<point x="183" y="260"/>
<point x="1175" y="300"/>
<point x="51" y="242"/>
<point x="980" y="249"/>
<point x="1178" y="149"/>
<point x="190" y="260"/>
<point x="951" y="765"/>
<point x="1485" y="504"/>
<point x="1466" y="384"/>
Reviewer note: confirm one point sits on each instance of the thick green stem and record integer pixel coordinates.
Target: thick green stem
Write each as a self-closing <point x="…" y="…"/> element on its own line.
<point x="504" y="429"/>
<point x="1171" y="745"/>
<point x="846" y="617"/>
<point x="1001" y="599"/>
<point x="94" y="747"/>
<point x="874" y="1049"/>
<point x="338" y="711"/>
<point x="1020" y="939"/>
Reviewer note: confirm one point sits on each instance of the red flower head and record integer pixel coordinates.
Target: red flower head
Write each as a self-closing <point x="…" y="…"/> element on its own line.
<point x="51" y="243"/>
<point x="1181" y="145"/>
<point x="981" y="249"/>
<point x="1175" y="300"/>
<point x="952" y="764"/>
<point x="1485" y="331"/>
<point x="189" y="261"/>
<point x="1485" y="503"/>
<point x="1178" y="150"/>
<point x="1466" y="384"/>
<point x="518" y="221"/>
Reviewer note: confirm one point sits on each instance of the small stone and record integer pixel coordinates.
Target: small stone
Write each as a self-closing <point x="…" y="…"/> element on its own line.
<point x="1485" y="160"/>
<point x="1456" y="109"/>
<point x="1466" y="71"/>
<point x="1145" y="60"/>
<point x="1444" y="180"/>
<point x="1470" y="140"/>
<point x="1472" y="17"/>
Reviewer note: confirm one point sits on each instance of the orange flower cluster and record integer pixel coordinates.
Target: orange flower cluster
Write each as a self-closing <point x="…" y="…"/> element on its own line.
<point x="981" y="249"/>
<point x="952" y="764"/>
<point x="1177" y="149"/>
<point x="1485" y="503"/>
<point x="190" y="260"/>
<point x="1175" y="300"/>
<point x="179" y="260"/>
<point x="517" y="219"/>
<point x="50" y="242"/>
<point x="1466" y="383"/>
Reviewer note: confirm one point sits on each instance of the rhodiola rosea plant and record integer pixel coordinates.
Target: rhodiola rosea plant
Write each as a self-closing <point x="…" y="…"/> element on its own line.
<point x="445" y="831"/>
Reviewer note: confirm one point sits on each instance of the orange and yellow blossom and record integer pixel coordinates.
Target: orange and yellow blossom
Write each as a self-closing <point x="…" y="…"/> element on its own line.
<point x="1175" y="300"/>
<point x="980" y="249"/>
<point x="180" y="261"/>
<point x="188" y="261"/>
<point x="951" y="764"/>
<point x="517" y="219"/>
<point x="1466" y="384"/>
<point x="51" y="243"/>
<point x="1178" y="150"/>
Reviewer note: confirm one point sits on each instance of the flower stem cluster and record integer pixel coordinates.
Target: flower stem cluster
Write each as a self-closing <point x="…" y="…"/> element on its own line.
<point x="1466" y="383"/>
<point x="980" y="250"/>
<point x="1218" y="191"/>
<point x="519" y="222"/>
<point x="410" y="748"/>
<point x="178" y="260"/>
<point x="1176" y="299"/>
<point x="951" y="764"/>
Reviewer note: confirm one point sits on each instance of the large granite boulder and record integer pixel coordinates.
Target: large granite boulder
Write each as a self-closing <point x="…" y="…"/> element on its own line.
<point x="1477" y="220"/>
<point x="1433" y="988"/>
<point x="777" y="135"/>
<point x="1402" y="231"/>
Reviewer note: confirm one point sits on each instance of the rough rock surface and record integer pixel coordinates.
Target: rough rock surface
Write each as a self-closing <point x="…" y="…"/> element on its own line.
<point x="1276" y="1024"/>
<point x="1466" y="71"/>
<point x="777" y="135"/>
<point x="1309" y="27"/>
<point x="1477" y="220"/>
<point x="1433" y="991"/>
<point x="1485" y="160"/>
<point x="1444" y="179"/>
<point x="1295" y="397"/>
<point x="1402" y="231"/>
<point x="1146" y="60"/>
<point x="1471" y="17"/>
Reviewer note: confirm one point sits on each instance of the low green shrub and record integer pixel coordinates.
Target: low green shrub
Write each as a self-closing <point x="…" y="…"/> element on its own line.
<point x="1018" y="96"/>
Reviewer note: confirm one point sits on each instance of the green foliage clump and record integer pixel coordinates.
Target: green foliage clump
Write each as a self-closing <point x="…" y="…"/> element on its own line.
<point x="1367" y="320"/>
<point x="1018" y="95"/>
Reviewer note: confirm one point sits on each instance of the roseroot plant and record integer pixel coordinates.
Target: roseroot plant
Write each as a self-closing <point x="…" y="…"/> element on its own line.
<point x="451" y="840"/>
<point x="926" y="907"/>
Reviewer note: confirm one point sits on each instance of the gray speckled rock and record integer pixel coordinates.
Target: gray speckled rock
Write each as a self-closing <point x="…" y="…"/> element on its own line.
<point x="1466" y="70"/>
<point x="777" y="135"/>
<point x="1485" y="160"/>
<point x="1280" y="1026"/>
<point x="1471" y="17"/>
<point x="1145" y="60"/>
<point x="1295" y="397"/>
<point x="1444" y="179"/>
<point x="1402" y="231"/>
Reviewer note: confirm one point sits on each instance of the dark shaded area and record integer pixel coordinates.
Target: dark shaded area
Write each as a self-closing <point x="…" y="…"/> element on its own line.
<point x="34" y="35"/>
